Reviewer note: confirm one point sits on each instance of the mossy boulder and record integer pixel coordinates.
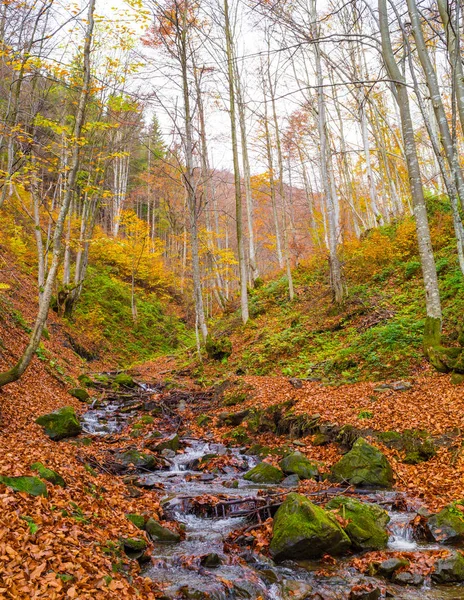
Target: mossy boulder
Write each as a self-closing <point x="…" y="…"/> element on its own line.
<point x="85" y="380"/>
<point x="100" y="379"/>
<point x="125" y="380"/>
<point x="449" y="569"/>
<point x="62" y="423"/>
<point x="264" y="473"/>
<point x="173" y="443"/>
<point x="297" y="463"/>
<point x="447" y="526"/>
<point x="138" y="459"/>
<point x="232" y="419"/>
<point x="158" y="533"/>
<point x="303" y="530"/>
<point x="389" y="566"/>
<point x="80" y="393"/>
<point x="203" y="420"/>
<point x="137" y="520"/>
<point x="48" y="474"/>
<point x="364" y="466"/>
<point x="219" y="348"/>
<point x="134" y="547"/>
<point x="366" y="525"/>
<point x="30" y="485"/>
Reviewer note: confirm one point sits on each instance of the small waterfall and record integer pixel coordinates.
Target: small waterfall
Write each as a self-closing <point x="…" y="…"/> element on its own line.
<point x="401" y="533"/>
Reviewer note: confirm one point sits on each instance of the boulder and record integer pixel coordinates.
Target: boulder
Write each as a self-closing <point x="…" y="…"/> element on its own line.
<point x="172" y="443"/>
<point x="364" y="465"/>
<point x="297" y="463"/>
<point x="62" y="423"/>
<point x="407" y="578"/>
<point x="264" y="473"/>
<point x="137" y="520"/>
<point x="137" y="459"/>
<point x="449" y="569"/>
<point x="30" y="485"/>
<point x="303" y="530"/>
<point x="367" y="523"/>
<point x="365" y="592"/>
<point x="232" y="419"/>
<point x="291" y="481"/>
<point x="447" y="526"/>
<point x="48" y="474"/>
<point x="211" y="561"/>
<point x="389" y="566"/>
<point x="85" y="380"/>
<point x="80" y="393"/>
<point x="134" y="547"/>
<point x="158" y="533"/>
<point x="125" y="380"/>
<point x="321" y="439"/>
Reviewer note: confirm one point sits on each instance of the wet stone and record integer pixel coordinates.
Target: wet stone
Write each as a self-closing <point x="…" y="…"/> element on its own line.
<point x="389" y="566"/>
<point x="291" y="481"/>
<point x="363" y="594"/>
<point x="158" y="533"/>
<point x="211" y="561"/>
<point x="406" y="578"/>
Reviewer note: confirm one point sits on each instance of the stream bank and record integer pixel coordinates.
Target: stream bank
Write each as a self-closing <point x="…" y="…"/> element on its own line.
<point x="222" y="552"/>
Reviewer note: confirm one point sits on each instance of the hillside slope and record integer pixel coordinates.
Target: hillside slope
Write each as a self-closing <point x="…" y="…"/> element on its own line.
<point x="376" y="334"/>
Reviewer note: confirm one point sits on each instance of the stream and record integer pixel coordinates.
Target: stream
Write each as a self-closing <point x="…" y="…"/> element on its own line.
<point x="200" y="566"/>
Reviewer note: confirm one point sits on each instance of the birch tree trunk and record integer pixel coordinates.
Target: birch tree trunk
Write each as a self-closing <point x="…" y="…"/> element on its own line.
<point x="330" y="196"/>
<point x="189" y="180"/>
<point x="18" y="369"/>
<point x="432" y="333"/>
<point x="241" y="109"/>
<point x="238" y="189"/>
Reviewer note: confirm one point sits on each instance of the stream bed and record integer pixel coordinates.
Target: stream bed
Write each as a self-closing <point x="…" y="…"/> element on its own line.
<point x="203" y="566"/>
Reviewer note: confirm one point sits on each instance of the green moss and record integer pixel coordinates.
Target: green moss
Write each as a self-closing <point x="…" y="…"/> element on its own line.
<point x="60" y="424"/>
<point x="158" y="533"/>
<point x="80" y="394"/>
<point x="218" y="348"/>
<point x="137" y="520"/>
<point x="302" y="530"/>
<point x="147" y="420"/>
<point x="296" y="463"/>
<point x="30" y="485"/>
<point x="134" y="547"/>
<point x="85" y="380"/>
<point x="124" y="380"/>
<point x="264" y="473"/>
<point x="363" y="466"/>
<point x="366" y="525"/>
<point x="48" y="474"/>
<point x="447" y="526"/>
<point x="203" y="420"/>
<point x="388" y="437"/>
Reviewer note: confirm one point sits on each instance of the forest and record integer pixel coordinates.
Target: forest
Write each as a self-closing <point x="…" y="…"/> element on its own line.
<point x="231" y="299"/>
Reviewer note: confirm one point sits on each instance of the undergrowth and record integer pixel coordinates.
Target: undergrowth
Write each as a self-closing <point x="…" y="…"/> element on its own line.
<point x="376" y="334"/>
<point x="104" y="315"/>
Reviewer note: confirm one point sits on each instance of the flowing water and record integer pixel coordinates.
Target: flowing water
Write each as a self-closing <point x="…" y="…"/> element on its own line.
<point x="181" y="567"/>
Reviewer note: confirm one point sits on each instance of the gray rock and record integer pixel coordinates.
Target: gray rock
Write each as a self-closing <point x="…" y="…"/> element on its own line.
<point x="406" y="578"/>
<point x="158" y="533"/>
<point x="389" y="566"/>
<point x="449" y="569"/>
<point x="291" y="481"/>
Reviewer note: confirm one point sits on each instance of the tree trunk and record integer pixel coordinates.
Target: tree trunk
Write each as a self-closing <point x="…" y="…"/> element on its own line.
<point x="238" y="190"/>
<point x="17" y="370"/>
<point x="432" y="332"/>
